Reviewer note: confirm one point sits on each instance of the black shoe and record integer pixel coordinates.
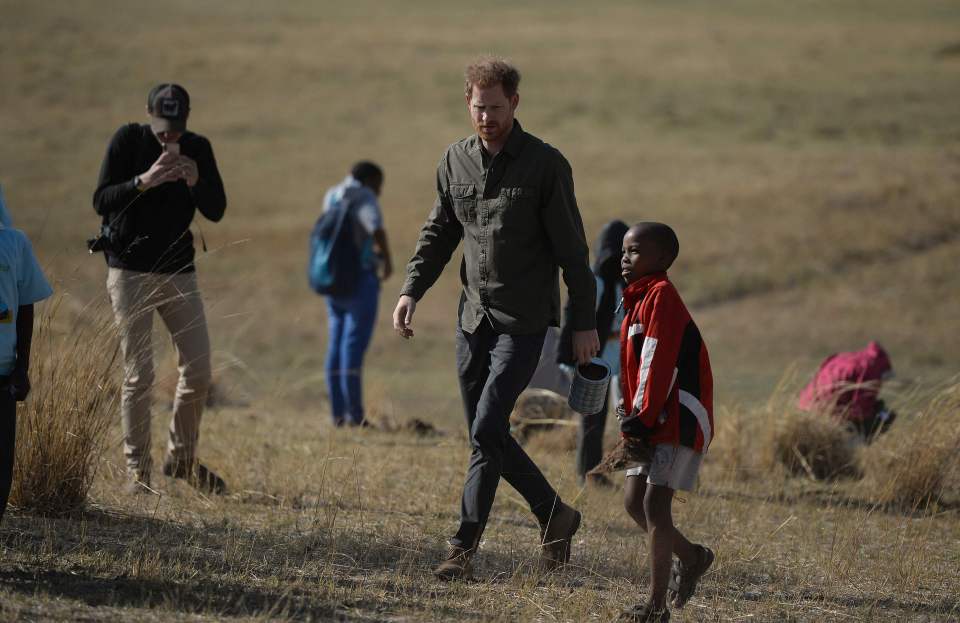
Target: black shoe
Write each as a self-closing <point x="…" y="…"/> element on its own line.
<point x="196" y="474"/>
<point x="683" y="581"/>
<point x="645" y="613"/>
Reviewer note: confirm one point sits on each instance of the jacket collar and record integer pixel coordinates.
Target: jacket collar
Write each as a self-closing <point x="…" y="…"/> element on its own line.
<point x="635" y="292"/>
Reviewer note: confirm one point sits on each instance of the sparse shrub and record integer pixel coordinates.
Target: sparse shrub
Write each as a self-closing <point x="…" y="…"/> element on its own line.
<point x="732" y="452"/>
<point x="64" y="422"/>
<point x="918" y="461"/>
<point x="816" y="445"/>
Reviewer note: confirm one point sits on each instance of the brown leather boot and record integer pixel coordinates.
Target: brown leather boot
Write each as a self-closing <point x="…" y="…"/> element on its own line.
<point x="555" y="537"/>
<point x="456" y="566"/>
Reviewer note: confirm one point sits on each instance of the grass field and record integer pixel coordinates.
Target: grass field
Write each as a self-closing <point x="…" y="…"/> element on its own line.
<point x="808" y="155"/>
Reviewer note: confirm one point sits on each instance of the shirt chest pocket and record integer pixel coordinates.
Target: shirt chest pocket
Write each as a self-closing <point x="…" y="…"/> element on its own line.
<point x="464" y="200"/>
<point x="519" y="205"/>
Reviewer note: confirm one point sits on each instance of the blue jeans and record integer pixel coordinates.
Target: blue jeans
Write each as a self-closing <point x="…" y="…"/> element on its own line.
<point x="351" y="319"/>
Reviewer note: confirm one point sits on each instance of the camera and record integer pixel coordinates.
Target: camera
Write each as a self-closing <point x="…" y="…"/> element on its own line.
<point x="102" y="241"/>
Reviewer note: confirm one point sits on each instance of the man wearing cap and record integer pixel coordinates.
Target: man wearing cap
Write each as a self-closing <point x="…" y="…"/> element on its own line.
<point x="153" y="178"/>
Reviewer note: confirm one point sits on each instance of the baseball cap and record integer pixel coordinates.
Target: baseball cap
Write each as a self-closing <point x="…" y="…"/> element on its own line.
<point x="169" y="107"/>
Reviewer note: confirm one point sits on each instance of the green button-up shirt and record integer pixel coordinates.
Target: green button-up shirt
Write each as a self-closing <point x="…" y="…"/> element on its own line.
<point x="518" y="217"/>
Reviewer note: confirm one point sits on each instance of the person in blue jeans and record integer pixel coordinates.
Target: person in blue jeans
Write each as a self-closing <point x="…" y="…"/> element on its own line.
<point x="351" y="318"/>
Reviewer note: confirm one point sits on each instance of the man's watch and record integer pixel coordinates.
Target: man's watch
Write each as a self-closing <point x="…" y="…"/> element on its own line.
<point x="138" y="184"/>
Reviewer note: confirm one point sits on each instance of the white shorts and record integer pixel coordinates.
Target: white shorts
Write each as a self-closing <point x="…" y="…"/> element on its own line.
<point x="675" y="467"/>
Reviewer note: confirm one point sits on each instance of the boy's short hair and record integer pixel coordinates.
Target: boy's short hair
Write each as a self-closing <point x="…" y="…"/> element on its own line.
<point x="488" y="71"/>
<point x="663" y="236"/>
<point x="366" y="171"/>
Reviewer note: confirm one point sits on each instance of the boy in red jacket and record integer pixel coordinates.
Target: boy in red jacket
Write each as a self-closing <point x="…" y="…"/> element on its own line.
<point x="666" y="422"/>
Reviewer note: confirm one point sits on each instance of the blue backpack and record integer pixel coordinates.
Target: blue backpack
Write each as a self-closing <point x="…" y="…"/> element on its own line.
<point x="335" y="263"/>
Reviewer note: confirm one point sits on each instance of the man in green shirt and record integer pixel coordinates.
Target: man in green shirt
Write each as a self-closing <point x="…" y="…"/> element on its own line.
<point x="509" y="197"/>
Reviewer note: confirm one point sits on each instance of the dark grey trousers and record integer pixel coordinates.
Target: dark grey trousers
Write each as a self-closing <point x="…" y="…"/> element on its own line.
<point x="493" y="369"/>
<point x="590" y="440"/>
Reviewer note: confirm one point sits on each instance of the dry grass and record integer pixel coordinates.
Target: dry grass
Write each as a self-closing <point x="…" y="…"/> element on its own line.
<point x="816" y="445"/>
<point x="918" y="463"/>
<point x="784" y="142"/>
<point x="64" y="423"/>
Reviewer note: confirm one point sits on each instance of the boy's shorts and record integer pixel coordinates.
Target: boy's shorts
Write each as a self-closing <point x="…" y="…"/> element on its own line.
<point x="672" y="466"/>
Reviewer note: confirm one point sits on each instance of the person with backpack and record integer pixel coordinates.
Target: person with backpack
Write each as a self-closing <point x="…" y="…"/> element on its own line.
<point x="154" y="178"/>
<point x="349" y="255"/>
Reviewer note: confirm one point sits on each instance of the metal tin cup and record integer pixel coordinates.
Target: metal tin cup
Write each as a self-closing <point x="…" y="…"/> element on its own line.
<point x="589" y="387"/>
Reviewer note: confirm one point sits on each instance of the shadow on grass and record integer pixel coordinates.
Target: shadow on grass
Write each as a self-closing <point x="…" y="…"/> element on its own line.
<point x="108" y="558"/>
<point x="937" y="607"/>
<point x="212" y="597"/>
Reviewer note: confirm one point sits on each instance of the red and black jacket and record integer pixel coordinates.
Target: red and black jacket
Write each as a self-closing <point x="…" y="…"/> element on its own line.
<point x="665" y="370"/>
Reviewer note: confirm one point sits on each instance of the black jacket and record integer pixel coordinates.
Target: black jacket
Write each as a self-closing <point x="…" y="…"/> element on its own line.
<point x="152" y="229"/>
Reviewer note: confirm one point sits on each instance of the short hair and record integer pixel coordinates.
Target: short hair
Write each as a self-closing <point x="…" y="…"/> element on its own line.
<point x="366" y="171"/>
<point x="488" y="71"/>
<point x="663" y="237"/>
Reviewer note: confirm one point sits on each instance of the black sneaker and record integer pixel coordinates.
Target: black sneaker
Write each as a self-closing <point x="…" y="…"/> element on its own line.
<point x="196" y="474"/>
<point x="683" y="580"/>
<point x="645" y="613"/>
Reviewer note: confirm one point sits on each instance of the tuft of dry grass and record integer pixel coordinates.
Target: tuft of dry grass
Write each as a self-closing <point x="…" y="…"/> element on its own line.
<point x="63" y="424"/>
<point x="816" y="445"/>
<point x="917" y="463"/>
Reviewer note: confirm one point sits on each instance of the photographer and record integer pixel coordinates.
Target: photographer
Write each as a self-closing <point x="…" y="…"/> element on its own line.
<point x="153" y="178"/>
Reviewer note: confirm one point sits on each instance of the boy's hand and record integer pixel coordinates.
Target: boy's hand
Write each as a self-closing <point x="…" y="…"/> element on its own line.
<point x="586" y="345"/>
<point x="403" y="316"/>
<point x="19" y="384"/>
<point x="631" y="426"/>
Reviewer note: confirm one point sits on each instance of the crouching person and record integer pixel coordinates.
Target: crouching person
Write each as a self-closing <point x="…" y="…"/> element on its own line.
<point x="847" y="386"/>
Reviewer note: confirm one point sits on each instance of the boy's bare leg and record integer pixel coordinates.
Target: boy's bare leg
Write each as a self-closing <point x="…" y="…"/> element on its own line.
<point x="656" y="505"/>
<point x="650" y="508"/>
<point x="635" y="491"/>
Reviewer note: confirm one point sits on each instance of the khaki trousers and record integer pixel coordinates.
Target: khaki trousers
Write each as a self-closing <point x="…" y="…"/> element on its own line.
<point x="135" y="296"/>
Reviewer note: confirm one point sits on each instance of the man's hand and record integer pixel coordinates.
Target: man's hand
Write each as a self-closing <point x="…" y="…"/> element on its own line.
<point x="403" y="316"/>
<point x="164" y="169"/>
<point x="586" y="345"/>
<point x="20" y="384"/>
<point x="188" y="170"/>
